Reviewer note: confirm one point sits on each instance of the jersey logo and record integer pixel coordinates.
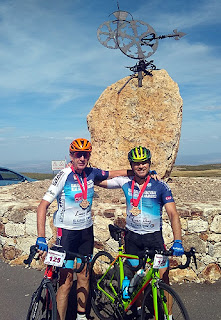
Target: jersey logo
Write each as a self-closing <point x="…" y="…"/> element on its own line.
<point x="57" y="178"/>
<point x="78" y="197"/>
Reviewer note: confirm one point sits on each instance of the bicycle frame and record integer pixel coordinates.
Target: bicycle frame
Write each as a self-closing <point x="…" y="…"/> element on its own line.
<point x="152" y="276"/>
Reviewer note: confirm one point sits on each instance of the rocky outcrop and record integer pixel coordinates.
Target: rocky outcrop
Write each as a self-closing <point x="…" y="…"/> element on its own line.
<point x="200" y="219"/>
<point x="150" y="116"/>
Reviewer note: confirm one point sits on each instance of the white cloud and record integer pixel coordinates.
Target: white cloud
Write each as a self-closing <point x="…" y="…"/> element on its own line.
<point x="212" y="108"/>
<point x="188" y="14"/>
<point x="189" y="62"/>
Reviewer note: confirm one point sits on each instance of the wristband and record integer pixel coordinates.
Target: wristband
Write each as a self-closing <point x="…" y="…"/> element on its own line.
<point x="177" y="241"/>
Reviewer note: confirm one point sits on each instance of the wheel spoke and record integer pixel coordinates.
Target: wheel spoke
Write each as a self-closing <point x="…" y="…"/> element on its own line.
<point x="168" y="302"/>
<point x="101" y="304"/>
<point x="43" y="304"/>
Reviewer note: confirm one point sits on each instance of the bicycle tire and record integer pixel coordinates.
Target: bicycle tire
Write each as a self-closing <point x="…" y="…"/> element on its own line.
<point x="43" y="303"/>
<point x="101" y="304"/>
<point x="178" y="311"/>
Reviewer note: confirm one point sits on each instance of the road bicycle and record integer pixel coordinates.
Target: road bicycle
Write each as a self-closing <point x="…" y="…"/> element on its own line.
<point x="160" y="301"/>
<point x="43" y="302"/>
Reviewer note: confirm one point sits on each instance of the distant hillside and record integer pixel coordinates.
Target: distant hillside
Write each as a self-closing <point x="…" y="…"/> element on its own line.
<point x="205" y="170"/>
<point x="216" y="166"/>
<point x="44" y="166"/>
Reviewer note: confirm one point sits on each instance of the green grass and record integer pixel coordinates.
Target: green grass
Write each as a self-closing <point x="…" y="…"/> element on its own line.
<point x="205" y="170"/>
<point x="201" y="167"/>
<point x="205" y="173"/>
<point x="39" y="176"/>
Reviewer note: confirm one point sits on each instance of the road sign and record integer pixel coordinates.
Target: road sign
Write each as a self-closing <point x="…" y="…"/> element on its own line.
<point x="58" y="164"/>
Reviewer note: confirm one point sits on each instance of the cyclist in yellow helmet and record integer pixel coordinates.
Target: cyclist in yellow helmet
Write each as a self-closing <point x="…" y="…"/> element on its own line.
<point x="145" y="198"/>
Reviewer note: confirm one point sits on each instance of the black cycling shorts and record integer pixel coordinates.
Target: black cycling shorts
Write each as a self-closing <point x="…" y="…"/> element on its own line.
<point x="135" y="242"/>
<point x="78" y="241"/>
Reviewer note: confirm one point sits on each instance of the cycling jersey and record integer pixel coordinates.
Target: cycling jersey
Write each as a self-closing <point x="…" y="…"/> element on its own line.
<point x="66" y="189"/>
<point x="156" y="194"/>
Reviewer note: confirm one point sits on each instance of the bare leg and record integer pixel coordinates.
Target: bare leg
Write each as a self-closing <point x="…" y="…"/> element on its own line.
<point x="82" y="290"/>
<point x="66" y="281"/>
<point x="164" y="274"/>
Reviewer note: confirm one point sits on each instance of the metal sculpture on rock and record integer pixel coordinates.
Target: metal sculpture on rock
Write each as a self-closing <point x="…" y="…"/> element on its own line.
<point x="135" y="38"/>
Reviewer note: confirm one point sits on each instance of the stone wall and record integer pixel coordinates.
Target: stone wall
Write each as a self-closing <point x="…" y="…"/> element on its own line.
<point x="201" y="224"/>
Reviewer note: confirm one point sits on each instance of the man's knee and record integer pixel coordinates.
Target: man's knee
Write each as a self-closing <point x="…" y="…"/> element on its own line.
<point x="164" y="274"/>
<point x="66" y="279"/>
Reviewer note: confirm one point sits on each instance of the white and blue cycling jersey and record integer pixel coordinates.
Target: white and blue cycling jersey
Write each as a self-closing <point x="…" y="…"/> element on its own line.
<point x="155" y="196"/>
<point x="66" y="189"/>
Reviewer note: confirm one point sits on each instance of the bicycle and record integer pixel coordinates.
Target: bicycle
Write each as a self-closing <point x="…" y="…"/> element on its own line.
<point x="43" y="301"/>
<point x="107" y="293"/>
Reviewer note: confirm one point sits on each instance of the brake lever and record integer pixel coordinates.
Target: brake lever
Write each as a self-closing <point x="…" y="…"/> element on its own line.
<point x="33" y="251"/>
<point x="193" y="251"/>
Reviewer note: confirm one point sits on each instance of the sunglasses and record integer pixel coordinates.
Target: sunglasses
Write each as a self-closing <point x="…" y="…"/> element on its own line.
<point x="79" y="154"/>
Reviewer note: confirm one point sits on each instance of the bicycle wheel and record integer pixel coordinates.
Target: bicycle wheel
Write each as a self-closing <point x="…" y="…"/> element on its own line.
<point x="43" y="303"/>
<point x="101" y="304"/>
<point x="166" y="295"/>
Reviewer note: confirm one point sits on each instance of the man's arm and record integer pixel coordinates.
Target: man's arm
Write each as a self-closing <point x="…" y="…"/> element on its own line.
<point x="121" y="173"/>
<point x="174" y="219"/>
<point x="41" y="217"/>
<point x="114" y="174"/>
<point x="102" y="184"/>
<point x="118" y="173"/>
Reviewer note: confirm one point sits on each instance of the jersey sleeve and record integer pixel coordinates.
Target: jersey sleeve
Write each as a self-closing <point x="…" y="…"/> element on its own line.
<point x="116" y="182"/>
<point x="166" y="193"/>
<point x="100" y="175"/>
<point x="57" y="185"/>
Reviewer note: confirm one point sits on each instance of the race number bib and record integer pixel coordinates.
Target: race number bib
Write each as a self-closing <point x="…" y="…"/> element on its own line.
<point x="55" y="258"/>
<point x="160" y="261"/>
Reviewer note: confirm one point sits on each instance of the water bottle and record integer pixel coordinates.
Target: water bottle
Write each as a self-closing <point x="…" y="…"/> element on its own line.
<point x="125" y="287"/>
<point x="136" y="279"/>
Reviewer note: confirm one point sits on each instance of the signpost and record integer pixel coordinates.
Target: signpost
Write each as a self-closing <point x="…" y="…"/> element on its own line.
<point x="58" y="164"/>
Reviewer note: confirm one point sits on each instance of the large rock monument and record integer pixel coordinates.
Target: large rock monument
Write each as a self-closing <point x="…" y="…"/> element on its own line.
<point x="150" y="116"/>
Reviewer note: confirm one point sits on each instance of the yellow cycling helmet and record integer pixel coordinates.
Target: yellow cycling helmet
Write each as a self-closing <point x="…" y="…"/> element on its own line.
<point x="80" y="144"/>
<point x="139" y="154"/>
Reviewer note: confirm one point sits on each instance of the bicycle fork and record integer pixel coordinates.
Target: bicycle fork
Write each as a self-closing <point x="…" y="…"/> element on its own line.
<point x="162" y="298"/>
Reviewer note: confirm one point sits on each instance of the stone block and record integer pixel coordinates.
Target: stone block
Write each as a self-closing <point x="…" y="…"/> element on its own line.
<point x="193" y="240"/>
<point x="197" y="225"/>
<point x="2" y="230"/>
<point x="167" y="233"/>
<point x="212" y="272"/>
<point x="31" y="223"/>
<point x="216" y="224"/>
<point x="215" y="250"/>
<point x="14" y="229"/>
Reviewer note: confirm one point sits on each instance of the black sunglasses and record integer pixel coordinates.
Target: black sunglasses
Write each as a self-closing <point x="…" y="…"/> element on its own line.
<point x="79" y="154"/>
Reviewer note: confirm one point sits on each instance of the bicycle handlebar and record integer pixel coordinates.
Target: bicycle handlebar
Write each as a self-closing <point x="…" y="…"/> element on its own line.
<point x="189" y="254"/>
<point x="151" y="253"/>
<point x="116" y="232"/>
<point x="69" y="256"/>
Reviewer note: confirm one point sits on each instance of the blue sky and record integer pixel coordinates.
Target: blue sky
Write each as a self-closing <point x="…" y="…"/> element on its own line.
<point x="53" y="69"/>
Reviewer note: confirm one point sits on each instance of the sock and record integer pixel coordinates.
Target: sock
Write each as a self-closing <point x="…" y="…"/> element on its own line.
<point x="139" y="311"/>
<point x="81" y="315"/>
<point x="170" y="317"/>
